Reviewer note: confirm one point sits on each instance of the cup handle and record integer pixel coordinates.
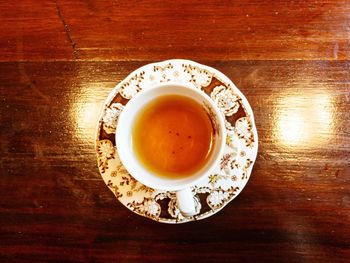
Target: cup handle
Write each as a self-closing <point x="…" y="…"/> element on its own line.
<point x="185" y="202"/>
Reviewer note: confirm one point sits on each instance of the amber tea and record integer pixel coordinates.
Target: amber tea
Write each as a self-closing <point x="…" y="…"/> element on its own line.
<point x="173" y="136"/>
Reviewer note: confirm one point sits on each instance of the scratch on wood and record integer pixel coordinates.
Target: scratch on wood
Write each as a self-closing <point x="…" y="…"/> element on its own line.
<point x="335" y="51"/>
<point x="31" y="84"/>
<point x="67" y="30"/>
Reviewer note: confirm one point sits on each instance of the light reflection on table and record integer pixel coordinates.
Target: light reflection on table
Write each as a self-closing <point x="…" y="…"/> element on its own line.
<point x="304" y="119"/>
<point x="86" y="110"/>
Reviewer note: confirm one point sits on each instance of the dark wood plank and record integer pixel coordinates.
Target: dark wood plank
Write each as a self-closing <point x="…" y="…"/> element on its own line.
<point x="54" y="205"/>
<point x="157" y="30"/>
<point x="33" y="30"/>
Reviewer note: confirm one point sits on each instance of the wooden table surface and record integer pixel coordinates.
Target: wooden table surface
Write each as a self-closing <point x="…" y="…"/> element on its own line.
<point x="60" y="59"/>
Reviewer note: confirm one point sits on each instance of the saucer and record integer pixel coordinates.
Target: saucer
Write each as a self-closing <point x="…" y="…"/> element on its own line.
<point x="211" y="193"/>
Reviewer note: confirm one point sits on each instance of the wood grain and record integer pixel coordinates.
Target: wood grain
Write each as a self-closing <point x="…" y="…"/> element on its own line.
<point x="157" y="30"/>
<point x="55" y="206"/>
<point x="60" y="59"/>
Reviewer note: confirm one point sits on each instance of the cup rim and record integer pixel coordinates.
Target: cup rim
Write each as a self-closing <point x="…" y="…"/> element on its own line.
<point x="131" y="170"/>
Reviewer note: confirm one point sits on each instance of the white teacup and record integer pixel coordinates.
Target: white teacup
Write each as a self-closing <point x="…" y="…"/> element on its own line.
<point x="127" y="156"/>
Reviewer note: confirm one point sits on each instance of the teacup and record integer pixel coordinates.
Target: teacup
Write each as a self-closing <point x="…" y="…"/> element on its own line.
<point x="133" y="164"/>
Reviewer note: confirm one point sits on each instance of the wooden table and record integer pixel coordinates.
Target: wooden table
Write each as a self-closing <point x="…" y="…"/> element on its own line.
<point x="60" y="59"/>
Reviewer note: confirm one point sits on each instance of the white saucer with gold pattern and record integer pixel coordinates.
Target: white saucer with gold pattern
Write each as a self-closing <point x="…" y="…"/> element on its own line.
<point x="213" y="192"/>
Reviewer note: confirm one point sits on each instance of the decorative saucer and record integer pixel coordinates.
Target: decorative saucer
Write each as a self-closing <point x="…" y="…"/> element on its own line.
<point x="213" y="192"/>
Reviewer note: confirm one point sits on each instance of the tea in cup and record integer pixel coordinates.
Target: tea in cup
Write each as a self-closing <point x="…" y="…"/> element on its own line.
<point x="169" y="137"/>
